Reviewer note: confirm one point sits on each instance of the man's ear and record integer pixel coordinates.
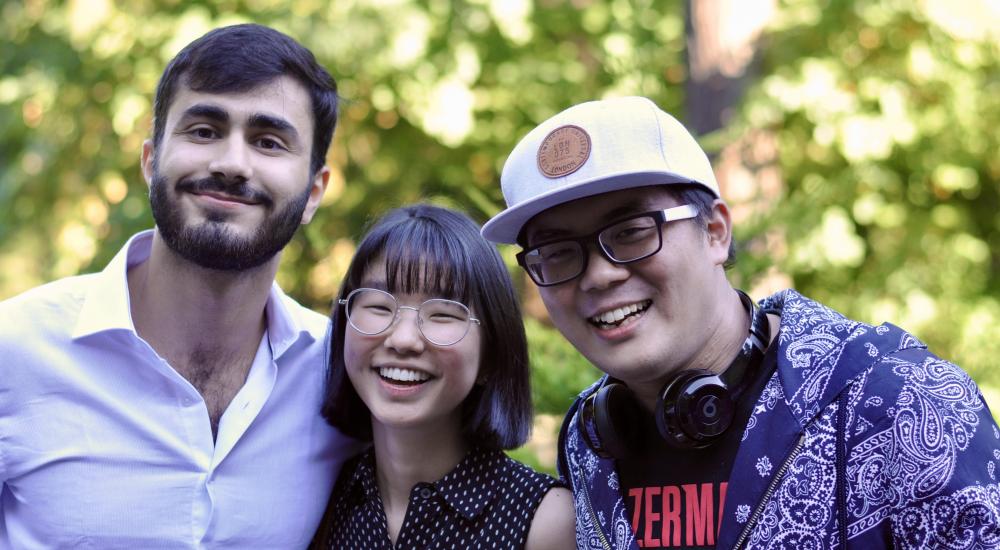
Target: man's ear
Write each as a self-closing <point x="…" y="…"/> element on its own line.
<point x="146" y="161"/>
<point x="720" y="232"/>
<point x="316" y="189"/>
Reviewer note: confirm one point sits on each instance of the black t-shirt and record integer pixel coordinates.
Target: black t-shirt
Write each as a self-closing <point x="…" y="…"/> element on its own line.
<point x="675" y="498"/>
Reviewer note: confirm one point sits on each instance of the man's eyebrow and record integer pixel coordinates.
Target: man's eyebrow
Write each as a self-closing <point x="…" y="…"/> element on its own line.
<point x="256" y="120"/>
<point x="271" y="122"/>
<point x="629" y="208"/>
<point x="202" y="110"/>
<point x="626" y="209"/>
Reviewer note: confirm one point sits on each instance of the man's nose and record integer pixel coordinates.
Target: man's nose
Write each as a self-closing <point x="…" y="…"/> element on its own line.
<point x="601" y="272"/>
<point x="233" y="161"/>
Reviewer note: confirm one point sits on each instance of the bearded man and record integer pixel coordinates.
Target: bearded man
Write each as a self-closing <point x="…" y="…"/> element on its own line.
<point x="172" y="400"/>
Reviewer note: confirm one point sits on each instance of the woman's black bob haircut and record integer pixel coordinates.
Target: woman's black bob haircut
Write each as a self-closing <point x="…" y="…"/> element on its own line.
<point x="440" y="253"/>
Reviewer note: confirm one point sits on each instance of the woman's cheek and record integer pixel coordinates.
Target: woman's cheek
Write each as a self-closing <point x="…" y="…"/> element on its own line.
<point x="353" y="355"/>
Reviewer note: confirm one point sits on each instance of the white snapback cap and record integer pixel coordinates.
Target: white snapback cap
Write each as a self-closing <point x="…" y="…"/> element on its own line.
<point x="593" y="148"/>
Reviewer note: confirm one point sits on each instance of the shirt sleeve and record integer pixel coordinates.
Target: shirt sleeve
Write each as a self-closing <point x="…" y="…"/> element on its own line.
<point x="5" y="393"/>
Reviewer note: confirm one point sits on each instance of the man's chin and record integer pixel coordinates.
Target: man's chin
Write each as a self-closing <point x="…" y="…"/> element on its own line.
<point x="220" y="240"/>
<point x="217" y="247"/>
<point x="623" y="362"/>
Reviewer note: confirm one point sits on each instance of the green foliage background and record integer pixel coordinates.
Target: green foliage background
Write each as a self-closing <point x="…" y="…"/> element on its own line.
<point x="883" y="118"/>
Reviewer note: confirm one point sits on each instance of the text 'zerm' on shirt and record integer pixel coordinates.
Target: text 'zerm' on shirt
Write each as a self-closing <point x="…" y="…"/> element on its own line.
<point x="677" y="516"/>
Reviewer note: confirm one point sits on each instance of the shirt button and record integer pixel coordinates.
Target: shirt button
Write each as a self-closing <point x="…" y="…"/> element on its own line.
<point x="425" y="492"/>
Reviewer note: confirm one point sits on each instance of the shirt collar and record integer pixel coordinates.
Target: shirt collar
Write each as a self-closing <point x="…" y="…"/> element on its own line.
<point x="363" y="477"/>
<point x="470" y="487"/>
<point x="106" y="305"/>
<point x="467" y="489"/>
<point x="285" y="325"/>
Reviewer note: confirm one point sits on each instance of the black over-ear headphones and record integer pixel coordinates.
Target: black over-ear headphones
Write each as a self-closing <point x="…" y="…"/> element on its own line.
<point x="694" y="408"/>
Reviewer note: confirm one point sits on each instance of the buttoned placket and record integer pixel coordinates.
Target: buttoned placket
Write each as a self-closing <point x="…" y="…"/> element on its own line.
<point x="423" y="508"/>
<point x="204" y="452"/>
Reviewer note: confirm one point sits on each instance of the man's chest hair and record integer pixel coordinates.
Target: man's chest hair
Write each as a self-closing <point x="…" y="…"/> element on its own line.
<point x="217" y="375"/>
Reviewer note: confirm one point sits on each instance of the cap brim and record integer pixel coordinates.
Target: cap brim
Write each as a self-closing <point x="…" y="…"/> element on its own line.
<point x="505" y="226"/>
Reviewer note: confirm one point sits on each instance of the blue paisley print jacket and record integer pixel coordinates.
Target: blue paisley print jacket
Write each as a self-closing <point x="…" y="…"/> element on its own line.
<point x="861" y="435"/>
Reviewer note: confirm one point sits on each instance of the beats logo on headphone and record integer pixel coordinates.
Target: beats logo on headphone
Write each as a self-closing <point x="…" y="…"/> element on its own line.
<point x="694" y="408"/>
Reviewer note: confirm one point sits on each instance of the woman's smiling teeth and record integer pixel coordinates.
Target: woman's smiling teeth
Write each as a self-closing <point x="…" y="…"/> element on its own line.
<point x="617" y="316"/>
<point x="397" y="374"/>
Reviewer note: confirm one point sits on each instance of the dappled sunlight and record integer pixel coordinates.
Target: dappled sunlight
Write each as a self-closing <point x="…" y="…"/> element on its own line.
<point x="410" y="43"/>
<point x="966" y="20"/>
<point x="833" y="242"/>
<point x="448" y="114"/>
<point x="860" y="161"/>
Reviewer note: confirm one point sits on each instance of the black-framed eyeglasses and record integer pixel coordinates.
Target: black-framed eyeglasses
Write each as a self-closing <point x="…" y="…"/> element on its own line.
<point x="627" y="240"/>
<point x="442" y="322"/>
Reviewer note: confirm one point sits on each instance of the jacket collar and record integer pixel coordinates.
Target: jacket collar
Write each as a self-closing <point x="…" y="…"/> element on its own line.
<point x="820" y="351"/>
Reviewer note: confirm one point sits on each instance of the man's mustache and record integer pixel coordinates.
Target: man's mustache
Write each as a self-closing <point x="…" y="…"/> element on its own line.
<point x="239" y="189"/>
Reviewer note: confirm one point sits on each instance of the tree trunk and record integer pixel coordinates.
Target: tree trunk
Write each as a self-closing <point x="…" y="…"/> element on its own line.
<point x="722" y="39"/>
<point x="721" y="46"/>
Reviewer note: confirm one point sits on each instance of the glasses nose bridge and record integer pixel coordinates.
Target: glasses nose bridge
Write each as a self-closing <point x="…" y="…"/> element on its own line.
<point x="397" y="317"/>
<point x="399" y="314"/>
<point x="593" y="241"/>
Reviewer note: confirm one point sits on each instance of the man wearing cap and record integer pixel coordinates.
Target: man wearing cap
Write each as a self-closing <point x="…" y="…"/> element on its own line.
<point x="721" y="422"/>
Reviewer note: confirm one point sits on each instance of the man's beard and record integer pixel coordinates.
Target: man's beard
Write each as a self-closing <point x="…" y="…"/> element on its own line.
<point x="212" y="244"/>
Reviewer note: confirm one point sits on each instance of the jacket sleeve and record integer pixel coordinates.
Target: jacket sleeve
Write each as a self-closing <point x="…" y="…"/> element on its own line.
<point x="933" y="466"/>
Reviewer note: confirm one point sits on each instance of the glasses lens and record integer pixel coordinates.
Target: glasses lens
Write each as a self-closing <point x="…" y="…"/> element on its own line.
<point x="631" y="239"/>
<point x="444" y="322"/>
<point x="371" y="311"/>
<point x="554" y="262"/>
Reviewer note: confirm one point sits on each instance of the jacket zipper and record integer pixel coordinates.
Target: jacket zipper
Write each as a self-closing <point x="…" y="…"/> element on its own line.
<point x="767" y="494"/>
<point x="593" y="517"/>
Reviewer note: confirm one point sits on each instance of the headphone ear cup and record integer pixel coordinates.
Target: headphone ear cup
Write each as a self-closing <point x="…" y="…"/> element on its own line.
<point x="695" y="409"/>
<point x="610" y="421"/>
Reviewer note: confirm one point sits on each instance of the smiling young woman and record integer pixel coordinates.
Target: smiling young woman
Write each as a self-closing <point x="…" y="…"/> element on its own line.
<point x="429" y="362"/>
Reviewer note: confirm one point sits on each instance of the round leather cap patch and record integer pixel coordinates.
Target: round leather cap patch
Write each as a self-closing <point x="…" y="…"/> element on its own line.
<point x="563" y="151"/>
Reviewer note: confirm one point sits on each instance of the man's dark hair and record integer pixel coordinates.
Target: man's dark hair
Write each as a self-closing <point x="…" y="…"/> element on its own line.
<point x="239" y="58"/>
<point x="439" y="253"/>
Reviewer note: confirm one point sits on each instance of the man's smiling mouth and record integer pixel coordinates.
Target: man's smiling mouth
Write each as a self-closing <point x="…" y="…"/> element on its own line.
<point x="227" y="197"/>
<point x="617" y="316"/>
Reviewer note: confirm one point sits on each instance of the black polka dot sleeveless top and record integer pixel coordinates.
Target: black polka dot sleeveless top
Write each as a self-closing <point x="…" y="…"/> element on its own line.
<point x="486" y="502"/>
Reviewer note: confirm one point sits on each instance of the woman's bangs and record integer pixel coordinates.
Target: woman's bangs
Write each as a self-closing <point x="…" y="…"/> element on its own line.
<point x="426" y="262"/>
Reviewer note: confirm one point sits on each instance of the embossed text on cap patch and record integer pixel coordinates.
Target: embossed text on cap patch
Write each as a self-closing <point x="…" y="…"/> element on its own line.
<point x="563" y="151"/>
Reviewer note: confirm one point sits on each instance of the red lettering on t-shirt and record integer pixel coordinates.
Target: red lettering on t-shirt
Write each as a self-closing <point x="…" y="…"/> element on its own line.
<point x="636" y="495"/>
<point x="671" y="533"/>
<point x="699" y="516"/>
<point x="651" y="517"/>
<point x="664" y="511"/>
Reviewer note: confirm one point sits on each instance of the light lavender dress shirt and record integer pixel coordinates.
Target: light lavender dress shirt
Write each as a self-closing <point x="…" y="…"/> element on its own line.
<point x="104" y="445"/>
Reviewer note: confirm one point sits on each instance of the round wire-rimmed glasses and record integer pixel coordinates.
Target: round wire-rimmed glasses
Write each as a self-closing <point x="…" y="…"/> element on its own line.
<point x="441" y="322"/>
<point x="624" y="241"/>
